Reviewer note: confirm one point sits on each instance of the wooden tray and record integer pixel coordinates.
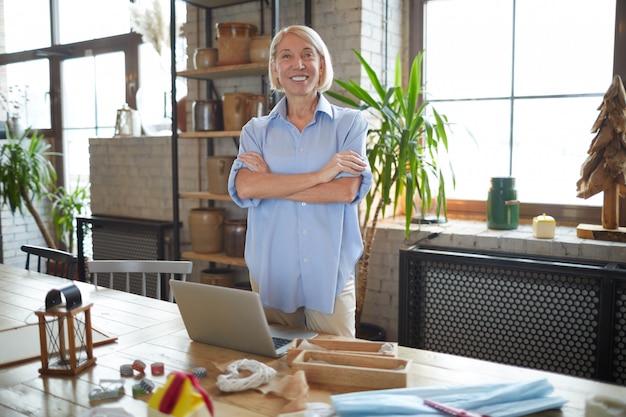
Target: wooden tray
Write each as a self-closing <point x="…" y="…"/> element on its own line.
<point x="377" y="372"/>
<point x="360" y="347"/>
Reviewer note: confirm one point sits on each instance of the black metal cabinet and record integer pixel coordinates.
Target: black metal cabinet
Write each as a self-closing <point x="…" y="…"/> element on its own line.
<point x="544" y="313"/>
<point x="108" y="237"/>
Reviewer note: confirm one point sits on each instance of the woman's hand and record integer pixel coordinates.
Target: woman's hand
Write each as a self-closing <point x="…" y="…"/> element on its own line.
<point x="255" y="161"/>
<point x="346" y="161"/>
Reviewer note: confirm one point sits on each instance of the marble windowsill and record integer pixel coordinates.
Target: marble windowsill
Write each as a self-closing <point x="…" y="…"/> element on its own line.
<point x="469" y="234"/>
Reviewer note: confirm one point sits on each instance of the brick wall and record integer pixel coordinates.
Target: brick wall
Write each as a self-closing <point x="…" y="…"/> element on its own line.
<point x="17" y="230"/>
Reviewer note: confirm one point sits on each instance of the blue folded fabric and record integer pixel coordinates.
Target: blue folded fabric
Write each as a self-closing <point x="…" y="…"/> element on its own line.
<point x="495" y="400"/>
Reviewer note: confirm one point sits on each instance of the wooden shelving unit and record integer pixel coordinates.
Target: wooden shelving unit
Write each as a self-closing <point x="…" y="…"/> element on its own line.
<point x="220" y="258"/>
<point x="213" y="73"/>
<point x="211" y="134"/>
<point x="226" y="71"/>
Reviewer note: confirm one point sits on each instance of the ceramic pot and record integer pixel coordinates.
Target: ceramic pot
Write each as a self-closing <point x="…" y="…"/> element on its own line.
<point x="218" y="276"/>
<point x="255" y="104"/>
<point x="235" y="237"/>
<point x="204" y="58"/>
<point x="235" y="109"/>
<point x="233" y="41"/>
<point x="218" y="169"/>
<point x="207" y="115"/>
<point x="206" y="229"/>
<point x="260" y="49"/>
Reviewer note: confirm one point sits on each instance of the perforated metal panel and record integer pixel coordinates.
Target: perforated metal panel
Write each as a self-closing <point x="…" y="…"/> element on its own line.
<point x="618" y="373"/>
<point x="118" y="243"/>
<point x="123" y="238"/>
<point x="533" y="313"/>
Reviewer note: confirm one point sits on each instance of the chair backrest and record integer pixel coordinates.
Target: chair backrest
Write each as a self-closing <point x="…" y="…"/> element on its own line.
<point x="164" y="270"/>
<point x="57" y="262"/>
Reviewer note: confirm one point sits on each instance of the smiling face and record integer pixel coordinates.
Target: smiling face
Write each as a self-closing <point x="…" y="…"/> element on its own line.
<point x="297" y="66"/>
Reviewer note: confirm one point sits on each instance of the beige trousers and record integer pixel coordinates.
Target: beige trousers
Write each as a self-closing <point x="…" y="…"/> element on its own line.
<point x="341" y="322"/>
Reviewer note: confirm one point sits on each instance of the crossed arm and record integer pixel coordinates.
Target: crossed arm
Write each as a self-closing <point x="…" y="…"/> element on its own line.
<point x="315" y="187"/>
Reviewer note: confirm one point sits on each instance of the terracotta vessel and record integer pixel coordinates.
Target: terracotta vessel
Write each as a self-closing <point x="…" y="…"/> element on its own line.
<point x="218" y="169"/>
<point x="222" y="277"/>
<point x="235" y="237"/>
<point x="235" y="109"/>
<point x="204" y="58"/>
<point x="233" y="40"/>
<point x="260" y="49"/>
<point x="206" y="229"/>
<point x="207" y="115"/>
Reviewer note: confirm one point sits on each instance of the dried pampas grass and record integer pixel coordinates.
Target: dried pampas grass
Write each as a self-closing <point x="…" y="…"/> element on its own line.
<point x="149" y="20"/>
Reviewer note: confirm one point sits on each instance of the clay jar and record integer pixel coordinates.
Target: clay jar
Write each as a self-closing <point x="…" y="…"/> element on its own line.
<point x="235" y="110"/>
<point x="238" y="108"/>
<point x="233" y="41"/>
<point x="204" y="58"/>
<point x="255" y="104"/>
<point x="218" y="169"/>
<point x="207" y="115"/>
<point x="218" y="276"/>
<point x="206" y="229"/>
<point x="260" y="49"/>
<point x="235" y="237"/>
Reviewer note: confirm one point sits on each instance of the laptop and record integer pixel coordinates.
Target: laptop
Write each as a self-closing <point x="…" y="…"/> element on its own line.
<point x="231" y="318"/>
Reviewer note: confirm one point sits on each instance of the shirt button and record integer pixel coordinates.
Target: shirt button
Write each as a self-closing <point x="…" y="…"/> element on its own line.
<point x="304" y="231"/>
<point x="303" y="204"/>
<point x="301" y="150"/>
<point x="305" y="260"/>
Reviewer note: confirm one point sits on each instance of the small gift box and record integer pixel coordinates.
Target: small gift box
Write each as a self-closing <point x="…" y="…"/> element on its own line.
<point x="181" y="396"/>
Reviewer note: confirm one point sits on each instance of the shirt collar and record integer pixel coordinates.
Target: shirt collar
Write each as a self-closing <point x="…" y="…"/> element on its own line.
<point x="323" y="105"/>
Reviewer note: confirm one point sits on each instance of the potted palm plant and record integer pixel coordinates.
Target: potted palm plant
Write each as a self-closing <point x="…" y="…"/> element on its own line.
<point x="27" y="175"/>
<point x="405" y="144"/>
<point x="66" y="206"/>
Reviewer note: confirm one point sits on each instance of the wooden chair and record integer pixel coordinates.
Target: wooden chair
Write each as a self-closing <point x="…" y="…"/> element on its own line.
<point x="164" y="271"/>
<point x="57" y="262"/>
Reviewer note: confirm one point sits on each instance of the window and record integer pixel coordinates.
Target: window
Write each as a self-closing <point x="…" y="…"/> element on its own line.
<point x="18" y="32"/>
<point x="93" y="88"/>
<point x="525" y="78"/>
<point x="71" y="75"/>
<point x="100" y="19"/>
<point x="29" y="91"/>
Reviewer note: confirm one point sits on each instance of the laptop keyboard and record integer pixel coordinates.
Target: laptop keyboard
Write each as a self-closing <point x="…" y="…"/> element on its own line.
<point x="280" y="342"/>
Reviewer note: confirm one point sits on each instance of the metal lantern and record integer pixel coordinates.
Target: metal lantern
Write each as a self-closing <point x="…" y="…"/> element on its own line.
<point x="65" y="333"/>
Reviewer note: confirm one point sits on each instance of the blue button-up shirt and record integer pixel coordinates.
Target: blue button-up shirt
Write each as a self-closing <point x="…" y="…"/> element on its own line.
<point x="302" y="254"/>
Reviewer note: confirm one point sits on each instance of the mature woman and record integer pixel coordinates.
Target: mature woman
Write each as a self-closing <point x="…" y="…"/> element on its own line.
<point x="301" y="172"/>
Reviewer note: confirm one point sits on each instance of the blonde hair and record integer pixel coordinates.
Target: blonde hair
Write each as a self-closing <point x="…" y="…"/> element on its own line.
<point x="311" y="36"/>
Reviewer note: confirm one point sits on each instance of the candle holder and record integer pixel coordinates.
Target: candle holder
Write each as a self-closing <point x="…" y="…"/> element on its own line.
<point x="65" y="333"/>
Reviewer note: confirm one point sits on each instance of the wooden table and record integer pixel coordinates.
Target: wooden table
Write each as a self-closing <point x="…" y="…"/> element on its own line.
<point x="152" y="331"/>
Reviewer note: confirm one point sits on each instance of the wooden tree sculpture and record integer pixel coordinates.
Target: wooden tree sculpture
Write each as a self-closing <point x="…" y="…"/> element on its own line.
<point x="605" y="166"/>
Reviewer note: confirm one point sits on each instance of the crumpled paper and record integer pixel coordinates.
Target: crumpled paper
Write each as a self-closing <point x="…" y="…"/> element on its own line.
<point x="495" y="400"/>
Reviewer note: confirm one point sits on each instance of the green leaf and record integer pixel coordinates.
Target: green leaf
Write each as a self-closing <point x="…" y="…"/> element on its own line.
<point x="404" y="150"/>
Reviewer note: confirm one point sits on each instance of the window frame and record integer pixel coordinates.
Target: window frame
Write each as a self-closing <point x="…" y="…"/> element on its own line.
<point x="127" y="43"/>
<point x="568" y="215"/>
